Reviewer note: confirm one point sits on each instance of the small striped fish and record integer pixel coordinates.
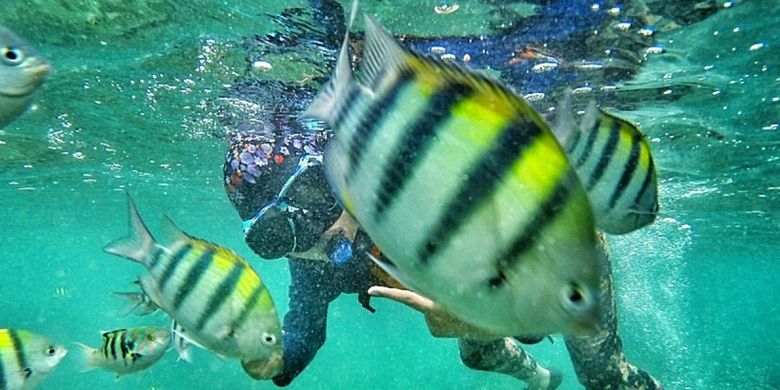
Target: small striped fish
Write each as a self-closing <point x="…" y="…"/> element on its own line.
<point x="614" y="163"/>
<point x="210" y="291"/>
<point x="465" y="189"/>
<point x="26" y="359"/>
<point x="124" y="351"/>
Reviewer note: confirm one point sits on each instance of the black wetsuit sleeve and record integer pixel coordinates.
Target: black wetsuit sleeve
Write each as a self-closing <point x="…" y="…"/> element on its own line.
<point x="305" y="322"/>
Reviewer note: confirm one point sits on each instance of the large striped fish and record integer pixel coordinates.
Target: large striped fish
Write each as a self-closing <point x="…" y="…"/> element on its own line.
<point x="26" y="359"/>
<point x="124" y="351"/>
<point x="210" y="291"/>
<point x="464" y="188"/>
<point x="613" y="161"/>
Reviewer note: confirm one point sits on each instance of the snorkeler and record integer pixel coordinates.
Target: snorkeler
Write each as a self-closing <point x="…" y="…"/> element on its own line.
<point x="274" y="177"/>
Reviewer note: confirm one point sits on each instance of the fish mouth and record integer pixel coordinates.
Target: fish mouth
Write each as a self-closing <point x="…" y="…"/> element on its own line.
<point x="34" y="73"/>
<point x="264" y="368"/>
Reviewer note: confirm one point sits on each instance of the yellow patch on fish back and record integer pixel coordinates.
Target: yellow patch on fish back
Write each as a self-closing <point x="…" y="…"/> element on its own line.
<point x="626" y="139"/>
<point x="247" y="284"/>
<point x="485" y="122"/>
<point x="5" y="339"/>
<point x="225" y="259"/>
<point x="540" y="166"/>
<point x="644" y="155"/>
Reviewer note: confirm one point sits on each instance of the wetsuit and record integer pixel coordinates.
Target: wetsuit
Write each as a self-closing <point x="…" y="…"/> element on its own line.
<point x="287" y="207"/>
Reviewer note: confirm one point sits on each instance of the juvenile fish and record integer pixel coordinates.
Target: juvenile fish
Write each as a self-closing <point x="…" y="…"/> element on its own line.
<point x="464" y="188"/>
<point x="208" y="290"/>
<point x="614" y="162"/>
<point x="125" y="351"/>
<point x="22" y="71"/>
<point x="26" y="359"/>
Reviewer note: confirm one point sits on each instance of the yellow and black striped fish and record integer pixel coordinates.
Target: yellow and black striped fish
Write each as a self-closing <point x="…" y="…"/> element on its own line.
<point x="614" y="163"/>
<point x="465" y="189"/>
<point x="127" y="350"/>
<point x="210" y="291"/>
<point x="26" y="359"/>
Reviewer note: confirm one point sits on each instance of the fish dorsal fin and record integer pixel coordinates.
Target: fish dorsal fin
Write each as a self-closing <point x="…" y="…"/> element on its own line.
<point x="108" y="332"/>
<point x="385" y="60"/>
<point x="591" y="118"/>
<point x="382" y="52"/>
<point x="565" y="125"/>
<point x="172" y="232"/>
<point x="324" y="105"/>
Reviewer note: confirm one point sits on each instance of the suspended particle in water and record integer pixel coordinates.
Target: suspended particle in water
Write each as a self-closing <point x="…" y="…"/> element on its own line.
<point x="448" y="57"/>
<point x="446" y="8"/>
<point x="756" y="46"/>
<point x="544" y="67"/>
<point x="534" y="96"/>
<point x="438" y="50"/>
<point x="581" y="90"/>
<point x="466" y="57"/>
<point x="262" y="66"/>
<point x="655" y="50"/>
<point x="623" y="26"/>
<point x="647" y="31"/>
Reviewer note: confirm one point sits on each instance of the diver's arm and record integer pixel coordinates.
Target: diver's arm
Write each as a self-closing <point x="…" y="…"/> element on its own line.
<point x="599" y="361"/>
<point x="305" y="322"/>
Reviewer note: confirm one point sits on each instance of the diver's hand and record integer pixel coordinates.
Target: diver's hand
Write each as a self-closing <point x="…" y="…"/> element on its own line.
<point x="345" y="225"/>
<point x="440" y="323"/>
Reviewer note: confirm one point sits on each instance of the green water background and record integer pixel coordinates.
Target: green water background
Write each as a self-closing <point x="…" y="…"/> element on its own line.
<point x="127" y="108"/>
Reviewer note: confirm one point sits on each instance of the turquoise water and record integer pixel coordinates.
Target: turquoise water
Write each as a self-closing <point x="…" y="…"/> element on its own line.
<point x="127" y="108"/>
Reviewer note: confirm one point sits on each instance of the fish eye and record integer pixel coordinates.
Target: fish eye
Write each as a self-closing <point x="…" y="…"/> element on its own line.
<point x="150" y="337"/>
<point x="12" y="55"/>
<point x="575" y="298"/>
<point x="269" y="339"/>
<point x="51" y="350"/>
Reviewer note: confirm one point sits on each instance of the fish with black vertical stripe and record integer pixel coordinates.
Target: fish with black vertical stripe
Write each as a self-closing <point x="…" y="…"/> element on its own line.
<point x="615" y="164"/>
<point x="208" y="290"/>
<point x="125" y="351"/>
<point x="26" y="359"/>
<point x="464" y="188"/>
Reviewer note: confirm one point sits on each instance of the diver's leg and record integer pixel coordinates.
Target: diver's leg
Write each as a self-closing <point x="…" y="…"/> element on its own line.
<point x="506" y="357"/>
<point x="599" y="361"/>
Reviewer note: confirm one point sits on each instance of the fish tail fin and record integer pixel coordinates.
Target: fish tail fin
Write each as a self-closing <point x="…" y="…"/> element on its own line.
<point x="325" y="104"/>
<point x="564" y="125"/>
<point x="590" y="120"/>
<point x="138" y="243"/>
<point x="88" y="357"/>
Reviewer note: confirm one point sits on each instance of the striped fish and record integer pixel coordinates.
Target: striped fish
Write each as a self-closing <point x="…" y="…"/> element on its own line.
<point x="26" y="359"/>
<point x="208" y="290"/>
<point x="613" y="161"/>
<point x="464" y="188"/>
<point x="124" y="351"/>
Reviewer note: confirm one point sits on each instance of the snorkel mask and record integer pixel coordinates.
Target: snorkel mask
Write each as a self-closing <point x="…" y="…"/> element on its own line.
<point x="296" y="217"/>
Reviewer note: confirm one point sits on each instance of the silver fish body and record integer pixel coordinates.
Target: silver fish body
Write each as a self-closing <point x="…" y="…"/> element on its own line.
<point x="464" y="189"/>
<point x="22" y="72"/>
<point x="26" y="359"/>
<point x="208" y="290"/>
